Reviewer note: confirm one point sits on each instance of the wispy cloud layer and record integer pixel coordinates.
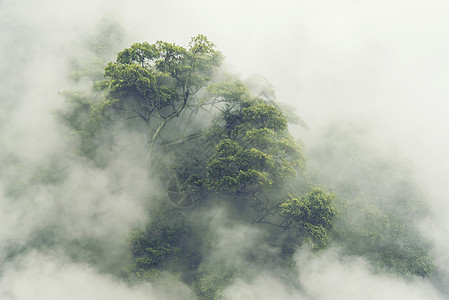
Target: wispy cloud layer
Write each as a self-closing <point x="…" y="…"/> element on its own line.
<point x="381" y="63"/>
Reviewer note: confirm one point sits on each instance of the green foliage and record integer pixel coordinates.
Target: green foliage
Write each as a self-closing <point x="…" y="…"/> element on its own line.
<point x="235" y="168"/>
<point x="385" y="239"/>
<point x="382" y="206"/>
<point x="139" y="53"/>
<point x="161" y="247"/>
<point x="231" y="91"/>
<point x="261" y="115"/>
<point x="157" y="82"/>
<point x="131" y="80"/>
<point x="254" y="149"/>
<point x="210" y="286"/>
<point x="312" y="214"/>
<point x="243" y="152"/>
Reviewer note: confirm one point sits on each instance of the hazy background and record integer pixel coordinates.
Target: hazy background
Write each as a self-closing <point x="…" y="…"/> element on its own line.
<point x="381" y="64"/>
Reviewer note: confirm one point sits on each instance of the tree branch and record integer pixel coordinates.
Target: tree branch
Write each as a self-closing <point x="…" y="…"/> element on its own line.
<point x="183" y="139"/>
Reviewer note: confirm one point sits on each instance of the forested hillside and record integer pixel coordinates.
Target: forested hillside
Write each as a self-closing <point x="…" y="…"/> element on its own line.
<point x="234" y="194"/>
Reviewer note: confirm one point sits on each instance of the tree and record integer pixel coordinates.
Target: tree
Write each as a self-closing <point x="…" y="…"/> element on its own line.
<point x="385" y="239"/>
<point x="253" y="149"/>
<point x="156" y="83"/>
<point x="382" y="203"/>
<point x="311" y="215"/>
<point x="166" y="244"/>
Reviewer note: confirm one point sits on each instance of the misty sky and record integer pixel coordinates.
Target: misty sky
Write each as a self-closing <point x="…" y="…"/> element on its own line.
<point x="381" y="63"/>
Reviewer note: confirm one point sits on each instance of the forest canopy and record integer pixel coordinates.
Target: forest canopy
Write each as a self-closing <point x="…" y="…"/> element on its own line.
<point x="213" y="142"/>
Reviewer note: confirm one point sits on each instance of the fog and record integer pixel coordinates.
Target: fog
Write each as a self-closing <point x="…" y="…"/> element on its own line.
<point x="379" y="68"/>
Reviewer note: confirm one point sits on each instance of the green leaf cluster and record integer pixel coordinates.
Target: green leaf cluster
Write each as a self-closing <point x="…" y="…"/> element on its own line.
<point x="254" y="149"/>
<point x="384" y="239"/>
<point x="313" y="214"/>
<point x="210" y="285"/>
<point x="161" y="247"/>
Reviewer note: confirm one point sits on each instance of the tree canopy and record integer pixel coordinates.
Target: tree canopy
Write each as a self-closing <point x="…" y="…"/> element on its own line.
<point x="215" y="140"/>
<point x="159" y="82"/>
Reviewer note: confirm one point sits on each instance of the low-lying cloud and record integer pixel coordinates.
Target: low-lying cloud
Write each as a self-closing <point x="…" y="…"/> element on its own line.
<point x="332" y="275"/>
<point x="52" y="276"/>
<point x="332" y="61"/>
